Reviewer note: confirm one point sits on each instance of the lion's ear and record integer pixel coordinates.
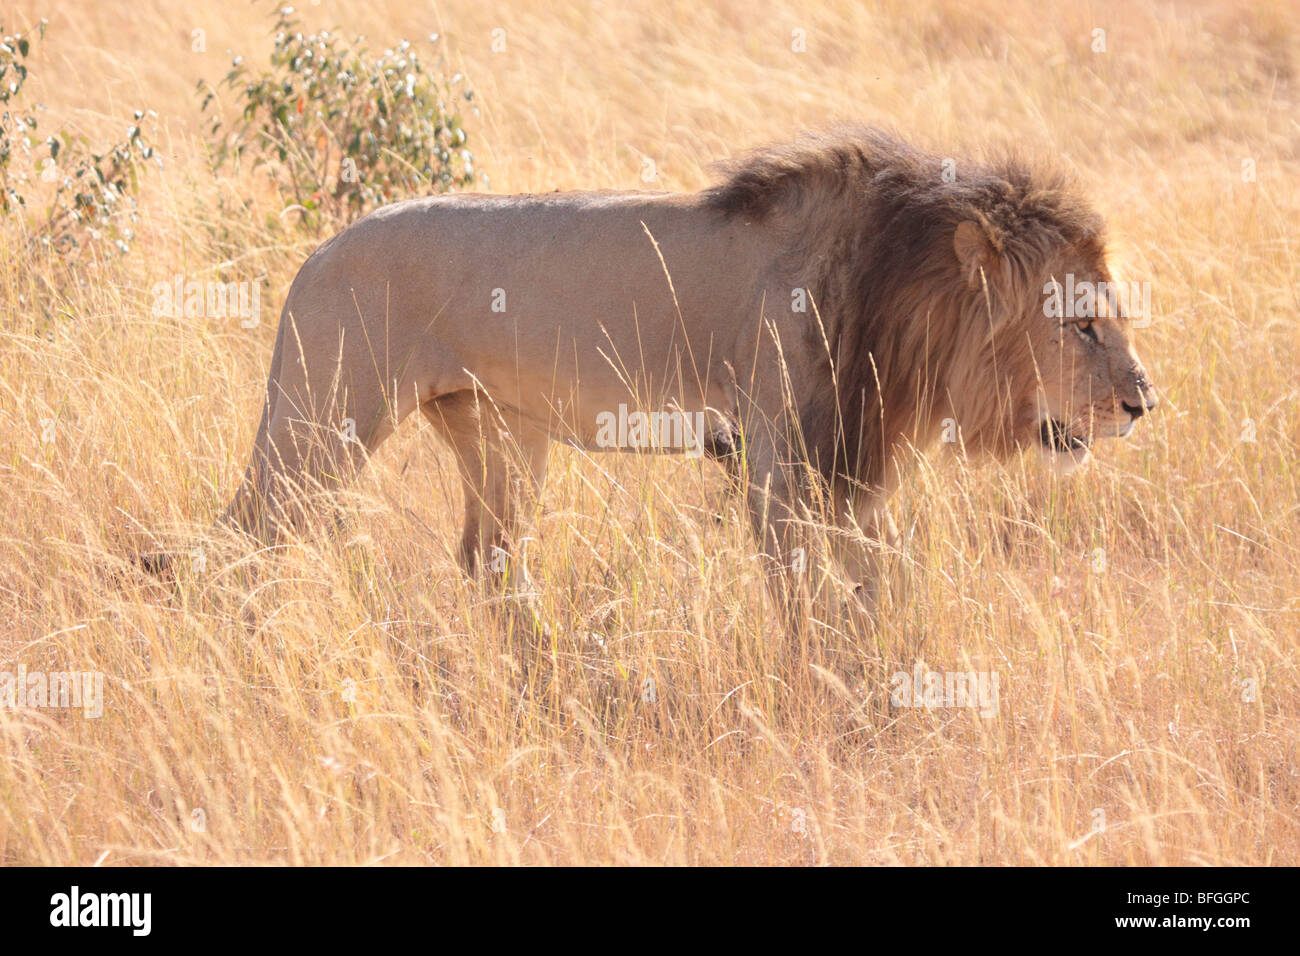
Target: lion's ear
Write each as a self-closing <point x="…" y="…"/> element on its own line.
<point x="975" y="251"/>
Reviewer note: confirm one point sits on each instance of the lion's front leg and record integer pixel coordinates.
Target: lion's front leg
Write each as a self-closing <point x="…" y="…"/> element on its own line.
<point x="838" y="639"/>
<point x="779" y="515"/>
<point x="865" y="550"/>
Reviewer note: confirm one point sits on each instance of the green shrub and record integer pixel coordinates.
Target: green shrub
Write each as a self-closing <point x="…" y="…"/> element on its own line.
<point x="342" y="130"/>
<point x="92" y="193"/>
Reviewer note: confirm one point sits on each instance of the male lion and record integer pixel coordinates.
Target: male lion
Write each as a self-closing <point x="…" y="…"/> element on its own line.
<point x="825" y="306"/>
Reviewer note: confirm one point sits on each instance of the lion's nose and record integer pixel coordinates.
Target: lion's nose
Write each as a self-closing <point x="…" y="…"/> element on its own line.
<point x="1147" y="403"/>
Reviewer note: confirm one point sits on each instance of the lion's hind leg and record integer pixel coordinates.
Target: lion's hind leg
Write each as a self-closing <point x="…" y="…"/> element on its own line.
<point x="300" y="460"/>
<point x="502" y="469"/>
<point x="311" y="445"/>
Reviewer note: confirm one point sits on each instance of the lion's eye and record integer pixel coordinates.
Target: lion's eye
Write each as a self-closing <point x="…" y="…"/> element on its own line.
<point x="1087" y="329"/>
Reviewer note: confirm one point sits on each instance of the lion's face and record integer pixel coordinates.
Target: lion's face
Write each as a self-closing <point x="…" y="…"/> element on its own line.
<point x="1090" y="383"/>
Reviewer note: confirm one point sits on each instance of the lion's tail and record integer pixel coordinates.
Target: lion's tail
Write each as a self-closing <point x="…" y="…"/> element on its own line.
<point x="244" y="511"/>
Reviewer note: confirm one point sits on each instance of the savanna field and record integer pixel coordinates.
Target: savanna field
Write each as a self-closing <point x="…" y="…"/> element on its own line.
<point x="352" y="698"/>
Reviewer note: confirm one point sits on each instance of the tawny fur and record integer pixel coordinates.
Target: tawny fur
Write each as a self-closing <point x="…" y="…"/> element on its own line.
<point x="515" y="321"/>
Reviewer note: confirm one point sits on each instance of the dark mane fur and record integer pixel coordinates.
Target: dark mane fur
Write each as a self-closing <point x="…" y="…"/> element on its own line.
<point x="868" y="223"/>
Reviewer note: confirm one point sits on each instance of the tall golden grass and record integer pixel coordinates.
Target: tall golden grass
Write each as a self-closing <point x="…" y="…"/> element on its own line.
<point x="355" y="700"/>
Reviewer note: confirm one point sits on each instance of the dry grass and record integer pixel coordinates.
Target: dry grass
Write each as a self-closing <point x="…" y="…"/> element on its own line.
<point x="1121" y="691"/>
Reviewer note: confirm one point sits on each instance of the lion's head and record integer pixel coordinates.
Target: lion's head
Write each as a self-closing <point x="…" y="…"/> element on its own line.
<point x="1070" y="372"/>
<point x="960" y="298"/>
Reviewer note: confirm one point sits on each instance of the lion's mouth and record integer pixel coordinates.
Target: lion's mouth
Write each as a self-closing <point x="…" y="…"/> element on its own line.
<point x="1056" y="436"/>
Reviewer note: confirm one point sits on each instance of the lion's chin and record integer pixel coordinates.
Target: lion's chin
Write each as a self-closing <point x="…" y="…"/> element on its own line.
<point x="1065" y="463"/>
<point x="1063" y="450"/>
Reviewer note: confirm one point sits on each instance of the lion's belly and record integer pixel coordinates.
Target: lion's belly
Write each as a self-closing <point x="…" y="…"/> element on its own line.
<point x="600" y="413"/>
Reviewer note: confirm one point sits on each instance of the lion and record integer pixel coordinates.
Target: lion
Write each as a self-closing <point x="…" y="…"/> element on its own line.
<point x="823" y="308"/>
